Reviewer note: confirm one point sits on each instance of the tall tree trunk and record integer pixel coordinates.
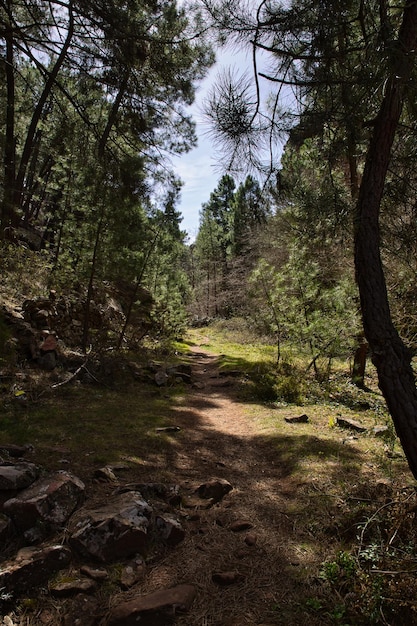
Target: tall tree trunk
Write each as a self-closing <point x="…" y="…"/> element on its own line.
<point x="389" y="354"/>
<point x="9" y="217"/>
<point x="37" y="113"/>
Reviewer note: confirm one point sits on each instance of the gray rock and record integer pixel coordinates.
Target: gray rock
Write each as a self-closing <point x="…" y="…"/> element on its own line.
<point x="380" y="431"/>
<point x="240" y="525"/>
<point x="105" y="474"/>
<point x="32" y="567"/>
<point x="49" y="501"/>
<point x="344" y="422"/>
<point x="17" y="476"/>
<point x="155" y="609"/>
<point x="169" y="529"/>
<point x="115" y="530"/>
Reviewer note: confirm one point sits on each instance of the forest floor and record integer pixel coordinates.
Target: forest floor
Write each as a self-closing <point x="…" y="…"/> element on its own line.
<point x="307" y="496"/>
<point x="330" y="514"/>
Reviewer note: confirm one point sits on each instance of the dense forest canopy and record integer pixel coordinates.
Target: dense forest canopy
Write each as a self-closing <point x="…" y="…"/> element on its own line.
<point x="94" y="102"/>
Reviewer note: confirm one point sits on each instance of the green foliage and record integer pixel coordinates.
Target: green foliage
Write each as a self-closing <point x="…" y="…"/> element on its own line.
<point x="299" y="303"/>
<point x="282" y="383"/>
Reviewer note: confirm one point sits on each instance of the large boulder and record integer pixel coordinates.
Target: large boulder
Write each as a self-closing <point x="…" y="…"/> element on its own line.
<point x="47" y="503"/>
<point x="115" y="530"/>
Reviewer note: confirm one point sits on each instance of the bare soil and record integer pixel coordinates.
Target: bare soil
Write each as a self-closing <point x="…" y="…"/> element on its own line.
<point x="277" y="569"/>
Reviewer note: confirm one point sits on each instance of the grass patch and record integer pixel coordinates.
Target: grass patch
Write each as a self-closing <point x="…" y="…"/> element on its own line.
<point x="92" y="426"/>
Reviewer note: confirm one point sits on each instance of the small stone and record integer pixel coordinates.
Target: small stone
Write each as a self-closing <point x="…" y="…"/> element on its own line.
<point x="214" y="489"/>
<point x="240" y="525"/>
<point x="168" y="429"/>
<point x="105" y="474"/>
<point x="95" y="573"/>
<point x="297" y="419"/>
<point x="73" y="587"/>
<point x="225" y="579"/>
<point x="251" y="539"/>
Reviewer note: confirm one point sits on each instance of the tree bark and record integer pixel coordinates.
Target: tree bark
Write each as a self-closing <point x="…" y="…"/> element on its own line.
<point x="9" y="217"/>
<point x="389" y="354"/>
<point x="37" y="113"/>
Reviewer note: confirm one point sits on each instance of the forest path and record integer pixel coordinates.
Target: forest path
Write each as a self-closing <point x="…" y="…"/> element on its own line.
<point x="219" y="438"/>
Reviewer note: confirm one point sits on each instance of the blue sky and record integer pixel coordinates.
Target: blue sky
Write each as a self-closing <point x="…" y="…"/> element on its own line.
<point x="199" y="169"/>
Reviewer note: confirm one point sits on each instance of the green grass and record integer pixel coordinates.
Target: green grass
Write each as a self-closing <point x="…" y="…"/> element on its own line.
<point x="92" y="426"/>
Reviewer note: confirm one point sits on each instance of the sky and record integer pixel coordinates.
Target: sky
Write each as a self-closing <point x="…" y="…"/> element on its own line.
<point x="198" y="169"/>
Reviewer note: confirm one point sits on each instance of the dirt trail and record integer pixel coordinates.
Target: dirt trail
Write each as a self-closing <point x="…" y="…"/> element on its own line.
<point x="219" y="439"/>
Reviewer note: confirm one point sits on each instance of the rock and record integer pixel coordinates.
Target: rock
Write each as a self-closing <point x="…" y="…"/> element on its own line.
<point x="132" y="573"/>
<point x="215" y="489"/>
<point x="251" y="539"/>
<point x="225" y="579"/>
<point x="114" y="531"/>
<point x="169" y="529"/>
<point x="297" y="419"/>
<point x="344" y="422"/>
<point x="105" y="474"/>
<point x="17" y="475"/>
<point x="72" y="587"/>
<point x="240" y="525"/>
<point x="14" y="450"/>
<point x="168" y="429"/>
<point x="380" y="431"/>
<point x="48" y="502"/>
<point x="95" y="573"/>
<point x="160" y="491"/>
<point x="32" y="567"/>
<point x="155" y="609"/>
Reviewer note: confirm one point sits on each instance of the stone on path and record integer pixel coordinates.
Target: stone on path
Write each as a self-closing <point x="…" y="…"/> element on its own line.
<point x="240" y="525"/>
<point x="155" y="609"/>
<point x="115" y="530"/>
<point x="214" y="489"/>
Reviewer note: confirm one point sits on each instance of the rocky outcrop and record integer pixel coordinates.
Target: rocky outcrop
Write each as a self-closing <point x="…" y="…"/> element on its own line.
<point x="121" y="531"/>
<point x="116" y="530"/>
